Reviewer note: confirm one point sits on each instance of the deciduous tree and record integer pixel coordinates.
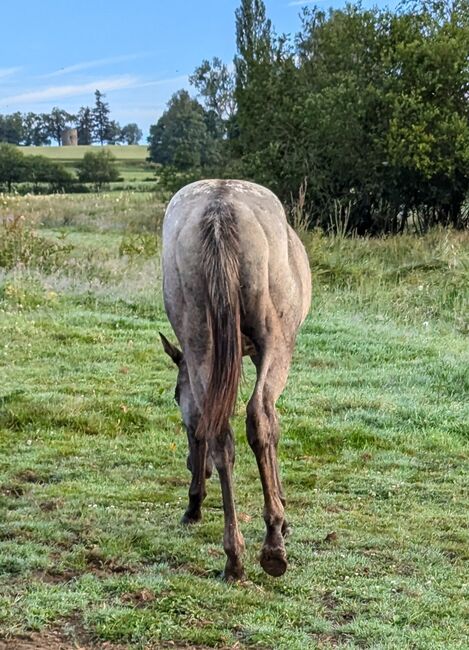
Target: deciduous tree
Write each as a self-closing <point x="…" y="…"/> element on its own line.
<point x="98" y="168"/>
<point x="181" y="138"/>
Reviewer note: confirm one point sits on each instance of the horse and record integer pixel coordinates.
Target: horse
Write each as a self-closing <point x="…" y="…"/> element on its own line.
<point x="236" y="281"/>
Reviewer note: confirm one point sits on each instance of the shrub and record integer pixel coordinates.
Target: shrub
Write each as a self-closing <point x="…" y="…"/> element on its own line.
<point x="98" y="168"/>
<point x="40" y="169"/>
<point x="20" y="244"/>
<point x="12" y="166"/>
<point x="138" y="245"/>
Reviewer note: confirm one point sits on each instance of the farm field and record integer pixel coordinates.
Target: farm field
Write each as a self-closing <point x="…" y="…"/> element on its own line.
<point x="131" y="159"/>
<point x="374" y="450"/>
<point x="121" y="152"/>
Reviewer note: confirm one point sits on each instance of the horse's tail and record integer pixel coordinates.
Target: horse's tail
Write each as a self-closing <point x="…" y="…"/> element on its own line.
<point x="220" y="260"/>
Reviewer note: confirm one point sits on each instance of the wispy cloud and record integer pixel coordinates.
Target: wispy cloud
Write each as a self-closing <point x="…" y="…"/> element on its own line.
<point x="96" y="63"/>
<point x="302" y="3"/>
<point x="8" y="72"/>
<point x="54" y="93"/>
<point x="159" y="82"/>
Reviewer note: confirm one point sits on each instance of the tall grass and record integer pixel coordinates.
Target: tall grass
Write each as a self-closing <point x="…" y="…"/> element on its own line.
<point x="98" y="212"/>
<point x="417" y="280"/>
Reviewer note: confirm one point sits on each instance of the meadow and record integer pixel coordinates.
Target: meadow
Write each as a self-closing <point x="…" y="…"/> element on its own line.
<point x="131" y="160"/>
<point x="374" y="450"/>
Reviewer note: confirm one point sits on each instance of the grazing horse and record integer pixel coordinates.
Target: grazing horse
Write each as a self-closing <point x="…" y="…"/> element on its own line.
<point x="236" y="281"/>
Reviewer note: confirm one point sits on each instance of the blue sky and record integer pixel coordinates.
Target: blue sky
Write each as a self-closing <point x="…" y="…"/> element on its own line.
<point x="138" y="52"/>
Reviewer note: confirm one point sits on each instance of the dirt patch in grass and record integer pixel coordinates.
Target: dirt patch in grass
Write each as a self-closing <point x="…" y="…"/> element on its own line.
<point x="333" y="641"/>
<point x="56" y="577"/>
<point x="333" y="611"/>
<point x="15" y="490"/>
<point x="70" y="636"/>
<point x="102" y="566"/>
<point x="79" y="639"/>
<point x="50" y="506"/>
<point x="21" y="483"/>
<point x="139" y="598"/>
<point x="29" y="476"/>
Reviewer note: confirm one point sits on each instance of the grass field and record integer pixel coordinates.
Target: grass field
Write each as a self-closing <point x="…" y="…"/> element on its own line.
<point x="137" y="152"/>
<point x="374" y="452"/>
<point x="131" y="159"/>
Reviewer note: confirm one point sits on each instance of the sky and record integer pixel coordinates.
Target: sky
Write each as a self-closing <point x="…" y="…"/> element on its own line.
<point x="137" y="52"/>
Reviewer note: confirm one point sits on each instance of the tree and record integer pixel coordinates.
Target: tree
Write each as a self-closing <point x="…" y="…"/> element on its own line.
<point x="85" y="125"/>
<point x="180" y="138"/>
<point x="100" y="118"/>
<point x="216" y="84"/>
<point x="131" y="134"/>
<point x="268" y="98"/>
<point x="369" y="106"/>
<point x="428" y="135"/>
<point x="57" y="121"/>
<point x="11" y="128"/>
<point x="98" y="168"/>
<point x="12" y="166"/>
<point x="35" y="130"/>
<point x="39" y="169"/>
<point x="113" y="132"/>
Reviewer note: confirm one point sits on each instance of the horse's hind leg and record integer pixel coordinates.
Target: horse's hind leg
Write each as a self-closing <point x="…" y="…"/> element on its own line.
<point x="193" y="451"/>
<point x="198" y="449"/>
<point x="223" y="453"/>
<point x="198" y="462"/>
<point x="263" y="434"/>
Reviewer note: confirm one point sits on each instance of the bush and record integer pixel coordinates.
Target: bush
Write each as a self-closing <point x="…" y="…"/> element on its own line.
<point x="20" y="244"/>
<point x="170" y="180"/>
<point x="138" y="245"/>
<point x="12" y="166"/>
<point x="98" y="168"/>
<point x="40" y="169"/>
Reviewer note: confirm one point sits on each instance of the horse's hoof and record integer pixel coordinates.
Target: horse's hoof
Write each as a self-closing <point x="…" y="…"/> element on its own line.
<point x="274" y="561"/>
<point x="234" y="574"/>
<point x="189" y="518"/>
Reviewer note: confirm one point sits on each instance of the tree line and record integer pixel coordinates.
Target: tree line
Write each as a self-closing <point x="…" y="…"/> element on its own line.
<point x="361" y="117"/>
<point x="94" y="125"/>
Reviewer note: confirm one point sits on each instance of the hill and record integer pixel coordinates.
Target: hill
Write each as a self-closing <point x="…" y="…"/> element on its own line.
<point x="131" y="159"/>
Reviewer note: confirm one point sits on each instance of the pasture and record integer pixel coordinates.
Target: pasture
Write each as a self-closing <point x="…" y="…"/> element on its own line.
<point x="374" y="450"/>
<point x="131" y="160"/>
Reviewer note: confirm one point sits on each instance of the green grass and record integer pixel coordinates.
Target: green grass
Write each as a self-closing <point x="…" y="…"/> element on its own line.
<point x="131" y="160"/>
<point x="374" y="456"/>
<point x="127" y="152"/>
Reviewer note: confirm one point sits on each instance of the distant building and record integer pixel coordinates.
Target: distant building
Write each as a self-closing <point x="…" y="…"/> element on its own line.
<point x="70" y="137"/>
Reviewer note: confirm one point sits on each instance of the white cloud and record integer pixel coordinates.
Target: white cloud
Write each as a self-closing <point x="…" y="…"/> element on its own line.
<point x="96" y="63"/>
<point x="54" y="93"/>
<point x="302" y="3"/>
<point x="8" y="72"/>
<point x="159" y="82"/>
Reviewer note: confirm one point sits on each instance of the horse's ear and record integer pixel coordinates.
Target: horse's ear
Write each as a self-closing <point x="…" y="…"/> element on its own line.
<point x="171" y="350"/>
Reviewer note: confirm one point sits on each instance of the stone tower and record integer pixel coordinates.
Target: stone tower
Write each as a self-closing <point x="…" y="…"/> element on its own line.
<point x="70" y="137"/>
